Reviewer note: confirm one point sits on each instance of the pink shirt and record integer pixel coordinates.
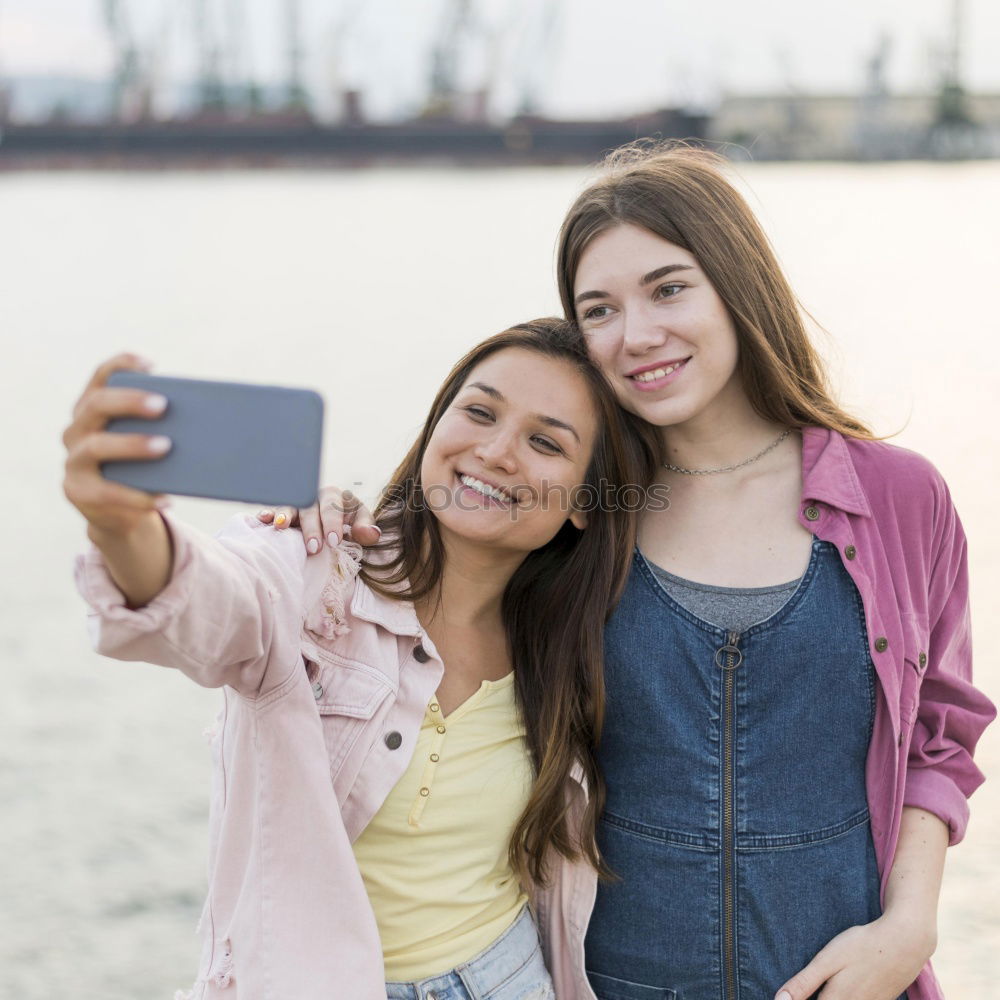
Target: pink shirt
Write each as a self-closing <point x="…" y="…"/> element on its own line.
<point x="303" y="758"/>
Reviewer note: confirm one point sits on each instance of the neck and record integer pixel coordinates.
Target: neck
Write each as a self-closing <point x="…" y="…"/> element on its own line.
<point x="470" y="592"/>
<point x="723" y="434"/>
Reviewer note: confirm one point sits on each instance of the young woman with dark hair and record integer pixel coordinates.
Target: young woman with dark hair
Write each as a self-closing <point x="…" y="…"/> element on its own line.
<point x="405" y="755"/>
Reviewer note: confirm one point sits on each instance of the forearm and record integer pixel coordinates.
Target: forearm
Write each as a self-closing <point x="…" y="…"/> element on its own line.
<point x="139" y="561"/>
<point x="914" y="884"/>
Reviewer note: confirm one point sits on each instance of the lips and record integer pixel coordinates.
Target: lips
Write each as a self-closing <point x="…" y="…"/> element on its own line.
<point x="657" y="375"/>
<point x="661" y="371"/>
<point x="486" y="489"/>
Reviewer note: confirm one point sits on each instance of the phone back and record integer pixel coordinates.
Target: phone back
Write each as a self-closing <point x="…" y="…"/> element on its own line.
<point x="231" y="441"/>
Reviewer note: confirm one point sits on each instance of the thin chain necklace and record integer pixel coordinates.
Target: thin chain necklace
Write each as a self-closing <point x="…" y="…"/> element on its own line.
<point x="731" y="468"/>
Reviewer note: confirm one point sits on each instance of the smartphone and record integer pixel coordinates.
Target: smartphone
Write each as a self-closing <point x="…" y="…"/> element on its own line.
<point x="231" y="441"/>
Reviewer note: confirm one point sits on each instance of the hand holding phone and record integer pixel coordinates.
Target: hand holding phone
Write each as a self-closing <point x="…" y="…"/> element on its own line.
<point x="228" y="440"/>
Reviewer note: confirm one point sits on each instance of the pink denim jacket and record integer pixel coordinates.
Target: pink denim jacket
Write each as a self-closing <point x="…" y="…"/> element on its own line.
<point x="317" y="671"/>
<point x="287" y="916"/>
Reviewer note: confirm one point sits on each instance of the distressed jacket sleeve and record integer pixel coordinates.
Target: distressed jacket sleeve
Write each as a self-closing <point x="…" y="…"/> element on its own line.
<point x="231" y="613"/>
<point x="952" y="714"/>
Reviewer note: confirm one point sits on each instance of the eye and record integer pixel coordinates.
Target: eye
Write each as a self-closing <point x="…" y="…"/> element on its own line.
<point x="478" y="412"/>
<point x="550" y="447"/>
<point x="669" y="290"/>
<point x="595" y="313"/>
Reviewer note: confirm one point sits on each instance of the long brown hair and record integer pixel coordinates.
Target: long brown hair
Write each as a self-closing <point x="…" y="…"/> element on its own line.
<point x="554" y="606"/>
<point x="680" y="194"/>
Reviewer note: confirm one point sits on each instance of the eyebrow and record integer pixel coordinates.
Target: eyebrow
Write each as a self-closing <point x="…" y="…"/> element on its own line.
<point x="644" y="280"/>
<point x="541" y="417"/>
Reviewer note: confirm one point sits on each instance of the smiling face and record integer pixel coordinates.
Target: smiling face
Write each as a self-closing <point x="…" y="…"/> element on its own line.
<point x="657" y="327"/>
<point x="510" y="450"/>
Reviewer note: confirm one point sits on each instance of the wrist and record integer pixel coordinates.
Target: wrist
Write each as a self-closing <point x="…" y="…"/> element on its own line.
<point x="121" y="535"/>
<point x="138" y="557"/>
<point x="913" y="926"/>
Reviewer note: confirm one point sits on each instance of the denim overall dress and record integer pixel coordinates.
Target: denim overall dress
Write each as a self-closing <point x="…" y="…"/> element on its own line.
<point x="736" y="816"/>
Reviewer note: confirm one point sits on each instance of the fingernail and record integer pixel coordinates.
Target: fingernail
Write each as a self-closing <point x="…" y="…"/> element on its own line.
<point x="332" y="540"/>
<point x="377" y="530"/>
<point x="312" y="546"/>
<point x="784" y="995"/>
<point x="154" y="403"/>
<point x="279" y="521"/>
<point x="158" y="445"/>
<point x="347" y="531"/>
<point x="265" y="513"/>
<point x="142" y="362"/>
<point x="163" y="503"/>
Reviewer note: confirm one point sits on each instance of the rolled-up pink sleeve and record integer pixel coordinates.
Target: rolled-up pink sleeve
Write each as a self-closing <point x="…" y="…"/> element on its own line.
<point x="231" y="613"/>
<point x="952" y="713"/>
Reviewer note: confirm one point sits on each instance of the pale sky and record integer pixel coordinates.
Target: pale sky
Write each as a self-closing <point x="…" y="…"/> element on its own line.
<point x="597" y="57"/>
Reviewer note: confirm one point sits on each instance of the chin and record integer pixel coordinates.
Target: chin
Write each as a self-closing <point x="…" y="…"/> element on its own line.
<point x="661" y="412"/>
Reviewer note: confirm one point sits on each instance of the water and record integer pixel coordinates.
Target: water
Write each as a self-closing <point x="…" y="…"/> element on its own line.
<point x="367" y="286"/>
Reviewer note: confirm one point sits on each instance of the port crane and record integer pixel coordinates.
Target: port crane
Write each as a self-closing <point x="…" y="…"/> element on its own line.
<point x="126" y="79"/>
<point x="952" y="106"/>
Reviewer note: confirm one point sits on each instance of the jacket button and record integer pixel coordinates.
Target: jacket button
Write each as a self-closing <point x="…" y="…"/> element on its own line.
<point x="812" y="513"/>
<point x="394" y="740"/>
<point x="881" y="644"/>
<point x="441" y="729"/>
<point x="420" y="654"/>
<point x="850" y="552"/>
<point x="922" y="660"/>
<point x="317" y="690"/>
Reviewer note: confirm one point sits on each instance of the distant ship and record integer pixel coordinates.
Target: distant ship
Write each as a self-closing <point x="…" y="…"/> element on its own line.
<point x="267" y="139"/>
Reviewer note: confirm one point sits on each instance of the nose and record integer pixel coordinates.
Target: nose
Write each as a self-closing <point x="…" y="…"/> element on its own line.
<point x="498" y="451"/>
<point x="640" y="331"/>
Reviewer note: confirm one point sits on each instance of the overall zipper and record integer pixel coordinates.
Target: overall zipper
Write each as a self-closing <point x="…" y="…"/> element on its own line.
<point x="728" y="658"/>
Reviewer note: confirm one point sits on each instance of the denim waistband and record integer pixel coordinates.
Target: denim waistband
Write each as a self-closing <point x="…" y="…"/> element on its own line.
<point x="484" y="973"/>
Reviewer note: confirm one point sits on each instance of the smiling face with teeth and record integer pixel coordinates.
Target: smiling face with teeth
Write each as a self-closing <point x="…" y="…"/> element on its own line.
<point x="516" y="440"/>
<point x="657" y="328"/>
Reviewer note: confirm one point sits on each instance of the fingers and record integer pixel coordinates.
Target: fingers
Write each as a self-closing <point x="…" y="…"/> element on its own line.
<point x="104" y="501"/>
<point x="105" y="504"/>
<point x="97" y="406"/>
<point x="358" y="518"/>
<point x="279" y="517"/>
<point x="807" y="981"/>
<point x="331" y="511"/>
<point x="100" y="500"/>
<point x="336" y="514"/>
<point x="309" y="522"/>
<point x="125" y="361"/>
<point x="107" y="446"/>
<point x="99" y="403"/>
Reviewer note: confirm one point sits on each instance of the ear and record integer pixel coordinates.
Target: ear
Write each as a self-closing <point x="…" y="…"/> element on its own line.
<point x="578" y="519"/>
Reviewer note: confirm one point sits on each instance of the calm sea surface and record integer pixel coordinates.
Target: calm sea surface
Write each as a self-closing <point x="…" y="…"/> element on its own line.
<point x="367" y="285"/>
